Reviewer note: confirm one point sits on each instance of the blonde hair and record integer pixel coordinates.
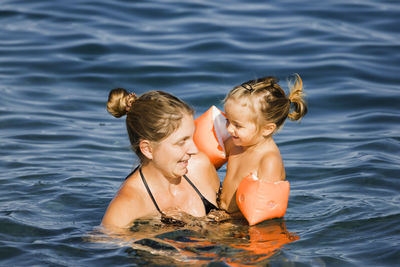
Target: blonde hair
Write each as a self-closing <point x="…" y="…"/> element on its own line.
<point x="269" y="101"/>
<point x="119" y="101"/>
<point x="153" y="116"/>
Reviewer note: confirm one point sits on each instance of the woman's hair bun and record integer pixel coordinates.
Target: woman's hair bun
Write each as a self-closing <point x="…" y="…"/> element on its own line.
<point x="119" y="102"/>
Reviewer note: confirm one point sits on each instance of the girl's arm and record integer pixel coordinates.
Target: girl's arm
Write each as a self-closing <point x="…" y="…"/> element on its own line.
<point x="271" y="168"/>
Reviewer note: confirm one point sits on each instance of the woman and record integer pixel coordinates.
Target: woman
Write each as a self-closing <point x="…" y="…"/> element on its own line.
<point x="172" y="176"/>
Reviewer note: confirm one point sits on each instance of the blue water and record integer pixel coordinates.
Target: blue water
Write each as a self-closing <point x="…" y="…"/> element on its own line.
<point x="63" y="156"/>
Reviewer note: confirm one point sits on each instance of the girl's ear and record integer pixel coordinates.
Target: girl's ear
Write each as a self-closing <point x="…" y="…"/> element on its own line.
<point x="268" y="129"/>
<point x="146" y="148"/>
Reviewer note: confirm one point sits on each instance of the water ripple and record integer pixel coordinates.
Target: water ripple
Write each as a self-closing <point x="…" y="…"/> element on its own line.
<point x="64" y="156"/>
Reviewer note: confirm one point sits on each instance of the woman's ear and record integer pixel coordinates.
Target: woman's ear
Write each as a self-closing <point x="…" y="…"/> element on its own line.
<point x="146" y="149"/>
<point x="268" y="129"/>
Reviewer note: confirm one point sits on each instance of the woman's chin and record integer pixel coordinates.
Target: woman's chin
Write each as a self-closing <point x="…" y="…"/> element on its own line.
<point x="180" y="171"/>
<point x="183" y="171"/>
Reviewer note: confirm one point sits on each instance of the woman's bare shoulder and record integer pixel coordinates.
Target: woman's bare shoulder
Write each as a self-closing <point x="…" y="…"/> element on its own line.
<point x="203" y="171"/>
<point x="199" y="161"/>
<point x="127" y="205"/>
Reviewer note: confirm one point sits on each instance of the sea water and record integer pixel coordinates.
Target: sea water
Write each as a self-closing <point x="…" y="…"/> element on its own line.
<point x="63" y="157"/>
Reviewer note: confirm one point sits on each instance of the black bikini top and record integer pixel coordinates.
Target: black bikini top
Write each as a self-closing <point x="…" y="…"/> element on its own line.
<point x="207" y="204"/>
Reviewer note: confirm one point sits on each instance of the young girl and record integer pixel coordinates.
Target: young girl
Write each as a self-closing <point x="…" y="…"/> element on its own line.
<point x="255" y="111"/>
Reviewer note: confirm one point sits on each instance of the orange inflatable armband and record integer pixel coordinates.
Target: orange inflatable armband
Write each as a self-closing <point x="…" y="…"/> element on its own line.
<point x="210" y="135"/>
<point x="260" y="200"/>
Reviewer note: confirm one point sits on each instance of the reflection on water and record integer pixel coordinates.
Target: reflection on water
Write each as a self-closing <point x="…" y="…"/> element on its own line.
<point x="232" y="242"/>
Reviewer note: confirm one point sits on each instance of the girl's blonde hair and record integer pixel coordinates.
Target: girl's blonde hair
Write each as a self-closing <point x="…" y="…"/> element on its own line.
<point x="269" y="102"/>
<point x="153" y="116"/>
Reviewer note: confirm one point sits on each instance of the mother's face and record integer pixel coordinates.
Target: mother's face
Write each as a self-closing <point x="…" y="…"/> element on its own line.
<point x="172" y="154"/>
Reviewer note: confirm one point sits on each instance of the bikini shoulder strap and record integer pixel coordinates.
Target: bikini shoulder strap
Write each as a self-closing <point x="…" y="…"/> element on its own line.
<point x="132" y="172"/>
<point x="148" y="190"/>
<point x="194" y="187"/>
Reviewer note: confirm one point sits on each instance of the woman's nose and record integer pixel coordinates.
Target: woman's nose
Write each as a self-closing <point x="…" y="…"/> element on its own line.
<point x="192" y="148"/>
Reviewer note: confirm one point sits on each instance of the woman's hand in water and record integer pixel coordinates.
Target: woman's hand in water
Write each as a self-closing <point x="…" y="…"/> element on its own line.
<point x="177" y="217"/>
<point x="218" y="216"/>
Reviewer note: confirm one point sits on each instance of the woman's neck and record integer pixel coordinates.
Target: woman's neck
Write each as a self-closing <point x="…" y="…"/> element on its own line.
<point x="152" y="173"/>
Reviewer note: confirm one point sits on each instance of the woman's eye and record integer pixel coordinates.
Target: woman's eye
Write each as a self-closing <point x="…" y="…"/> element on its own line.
<point x="181" y="143"/>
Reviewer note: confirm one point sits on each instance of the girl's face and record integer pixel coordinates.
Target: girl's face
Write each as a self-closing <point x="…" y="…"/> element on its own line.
<point x="172" y="154"/>
<point x="240" y="124"/>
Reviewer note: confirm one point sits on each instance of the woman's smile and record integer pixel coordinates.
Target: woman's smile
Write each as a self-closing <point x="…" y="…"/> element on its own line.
<point x="183" y="163"/>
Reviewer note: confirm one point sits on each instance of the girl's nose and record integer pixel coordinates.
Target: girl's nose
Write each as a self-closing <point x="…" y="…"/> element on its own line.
<point x="229" y="128"/>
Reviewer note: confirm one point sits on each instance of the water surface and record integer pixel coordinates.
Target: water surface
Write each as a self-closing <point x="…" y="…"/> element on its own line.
<point x="63" y="157"/>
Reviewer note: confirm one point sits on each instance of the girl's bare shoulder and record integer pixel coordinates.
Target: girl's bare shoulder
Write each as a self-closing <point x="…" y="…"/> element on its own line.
<point x="271" y="166"/>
